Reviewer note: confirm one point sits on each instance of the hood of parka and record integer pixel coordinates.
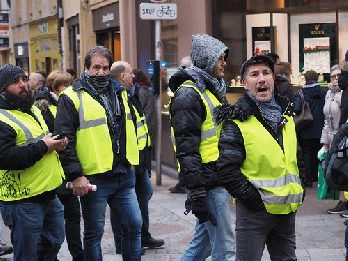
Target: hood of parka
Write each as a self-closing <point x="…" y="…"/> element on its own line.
<point x="206" y="51"/>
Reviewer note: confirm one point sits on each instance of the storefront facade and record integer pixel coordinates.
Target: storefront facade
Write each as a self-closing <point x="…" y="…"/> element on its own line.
<point x="44" y="50"/>
<point x="106" y="25"/>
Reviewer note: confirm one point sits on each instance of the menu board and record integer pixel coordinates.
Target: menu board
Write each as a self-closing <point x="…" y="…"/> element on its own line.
<point x="318" y="48"/>
<point x="316" y="54"/>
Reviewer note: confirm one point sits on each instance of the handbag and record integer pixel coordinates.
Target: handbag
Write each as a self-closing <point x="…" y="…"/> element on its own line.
<point x="324" y="192"/>
<point x="305" y="116"/>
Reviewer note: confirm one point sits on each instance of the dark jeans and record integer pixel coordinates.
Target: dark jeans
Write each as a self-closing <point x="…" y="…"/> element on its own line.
<point x="118" y="192"/>
<point x="37" y="230"/>
<point x="310" y="148"/>
<point x="254" y="230"/>
<point x="72" y="216"/>
<point x="143" y="189"/>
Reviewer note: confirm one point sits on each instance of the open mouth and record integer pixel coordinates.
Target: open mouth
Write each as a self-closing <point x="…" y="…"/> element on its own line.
<point x="262" y="89"/>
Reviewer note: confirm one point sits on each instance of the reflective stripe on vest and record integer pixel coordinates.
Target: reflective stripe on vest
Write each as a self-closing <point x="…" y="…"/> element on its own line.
<point x="93" y="141"/>
<point x="271" y="169"/>
<point x="143" y="136"/>
<point x="45" y="175"/>
<point x="208" y="147"/>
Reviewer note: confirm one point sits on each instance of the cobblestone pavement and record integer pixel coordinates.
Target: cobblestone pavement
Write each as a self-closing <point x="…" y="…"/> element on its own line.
<point x="320" y="236"/>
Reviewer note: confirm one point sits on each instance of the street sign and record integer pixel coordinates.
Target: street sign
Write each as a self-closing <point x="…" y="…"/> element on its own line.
<point x="149" y="11"/>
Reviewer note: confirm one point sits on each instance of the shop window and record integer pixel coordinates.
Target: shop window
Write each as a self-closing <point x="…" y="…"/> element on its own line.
<point x="37" y="65"/>
<point x="37" y="46"/>
<point x="55" y="64"/>
<point x="54" y="44"/>
<point x="46" y="45"/>
<point x="170" y="53"/>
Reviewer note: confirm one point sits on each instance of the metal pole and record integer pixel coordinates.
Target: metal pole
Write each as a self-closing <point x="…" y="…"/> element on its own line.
<point x="158" y="49"/>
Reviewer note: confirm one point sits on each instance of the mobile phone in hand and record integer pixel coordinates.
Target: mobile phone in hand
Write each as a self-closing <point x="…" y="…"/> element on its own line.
<point x="61" y="135"/>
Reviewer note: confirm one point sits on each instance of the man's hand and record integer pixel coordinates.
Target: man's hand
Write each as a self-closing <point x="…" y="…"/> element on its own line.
<point x="201" y="211"/>
<point x="53" y="145"/>
<point x="80" y="186"/>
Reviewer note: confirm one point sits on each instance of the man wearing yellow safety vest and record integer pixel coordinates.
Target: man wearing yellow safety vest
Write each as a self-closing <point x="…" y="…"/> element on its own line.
<point x="198" y="89"/>
<point x="258" y="165"/>
<point x="122" y="72"/>
<point x="102" y="151"/>
<point x="30" y="172"/>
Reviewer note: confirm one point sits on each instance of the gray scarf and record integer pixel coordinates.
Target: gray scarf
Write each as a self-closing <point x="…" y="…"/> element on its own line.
<point x="271" y="111"/>
<point x="218" y="86"/>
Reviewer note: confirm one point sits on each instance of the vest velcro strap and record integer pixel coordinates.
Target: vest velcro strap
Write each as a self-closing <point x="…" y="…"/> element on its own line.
<point x="282" y="200"/>
<point x="26" y="131"/>
<point x="277" y="183"/>
<point x="92" y="123"/>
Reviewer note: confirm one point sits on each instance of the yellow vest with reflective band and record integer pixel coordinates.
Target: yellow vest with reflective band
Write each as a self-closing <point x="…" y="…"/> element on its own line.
<point x="143" y="136"/>
<point x="208" y="147"/>
<point x="45" y="175"/>
<point x="269" y="168"/>
<point x="93" y="141"/>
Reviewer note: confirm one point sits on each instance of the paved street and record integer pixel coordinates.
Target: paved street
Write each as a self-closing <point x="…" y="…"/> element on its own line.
<point x="320" y="236"/>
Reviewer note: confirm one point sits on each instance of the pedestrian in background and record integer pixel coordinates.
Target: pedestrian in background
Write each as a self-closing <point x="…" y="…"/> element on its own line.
<point x="257" y="165"/>
<point x="180" y="187"/>
<point x="122" y="72"/>
<point x="199" y="89"/>
<point x="309" y="136"/>
<point x="102" y="151"/>
<point x="30" y="172"/>
<point x="46" y="100"/>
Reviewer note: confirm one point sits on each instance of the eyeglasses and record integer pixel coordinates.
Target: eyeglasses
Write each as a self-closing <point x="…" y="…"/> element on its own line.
<point x="335" y="76"/>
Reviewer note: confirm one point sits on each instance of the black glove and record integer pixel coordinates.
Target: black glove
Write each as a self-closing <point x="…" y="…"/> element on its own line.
<point x="201" y="211"/>
<point x="248" y="195"/>
<point x="188" y="205"/>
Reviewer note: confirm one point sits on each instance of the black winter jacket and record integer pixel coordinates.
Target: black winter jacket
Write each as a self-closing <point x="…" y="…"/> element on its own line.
<point x="187" y="115"/>
<point x="43" y="99"/>
<point x="67" y="119"/>
<point x="232" y="150"/>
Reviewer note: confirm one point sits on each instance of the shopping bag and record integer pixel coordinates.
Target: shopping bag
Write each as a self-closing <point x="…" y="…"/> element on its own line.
<point x="323" y="191"/>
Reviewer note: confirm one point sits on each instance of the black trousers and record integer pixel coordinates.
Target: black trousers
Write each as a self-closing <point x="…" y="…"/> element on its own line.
<point x="310" y="148"/>
<point x="72" y="216"/>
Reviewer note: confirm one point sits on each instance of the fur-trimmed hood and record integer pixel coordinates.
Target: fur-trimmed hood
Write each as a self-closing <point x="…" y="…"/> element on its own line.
<point x="246" y="107"/>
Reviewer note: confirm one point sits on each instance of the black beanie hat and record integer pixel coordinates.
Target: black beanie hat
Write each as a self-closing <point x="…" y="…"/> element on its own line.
<point x="257" y="59"/>
<point x="9" y="73"/>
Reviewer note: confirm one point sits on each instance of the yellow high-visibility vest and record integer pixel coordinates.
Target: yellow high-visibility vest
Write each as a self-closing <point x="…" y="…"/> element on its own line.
<point x="45" y="175"/>
<point x="271" y="169"/>
<point x="93" y="141"/>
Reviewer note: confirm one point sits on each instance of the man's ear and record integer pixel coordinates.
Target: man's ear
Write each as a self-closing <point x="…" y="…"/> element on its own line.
<point x="86" y="70"/>
<point x="244" y="84"/>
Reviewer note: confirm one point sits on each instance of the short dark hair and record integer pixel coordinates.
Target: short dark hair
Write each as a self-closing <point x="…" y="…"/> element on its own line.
<point x="311" y="75"/>
<point x="273" y="56"/>
<point x="117" y="70"/>
<point x="141" y="76"/>
<point x="72" y="72"/>
<point x="285" y="68"/>
<point x="98" y="51"/>
<point x="256" y="60"/>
